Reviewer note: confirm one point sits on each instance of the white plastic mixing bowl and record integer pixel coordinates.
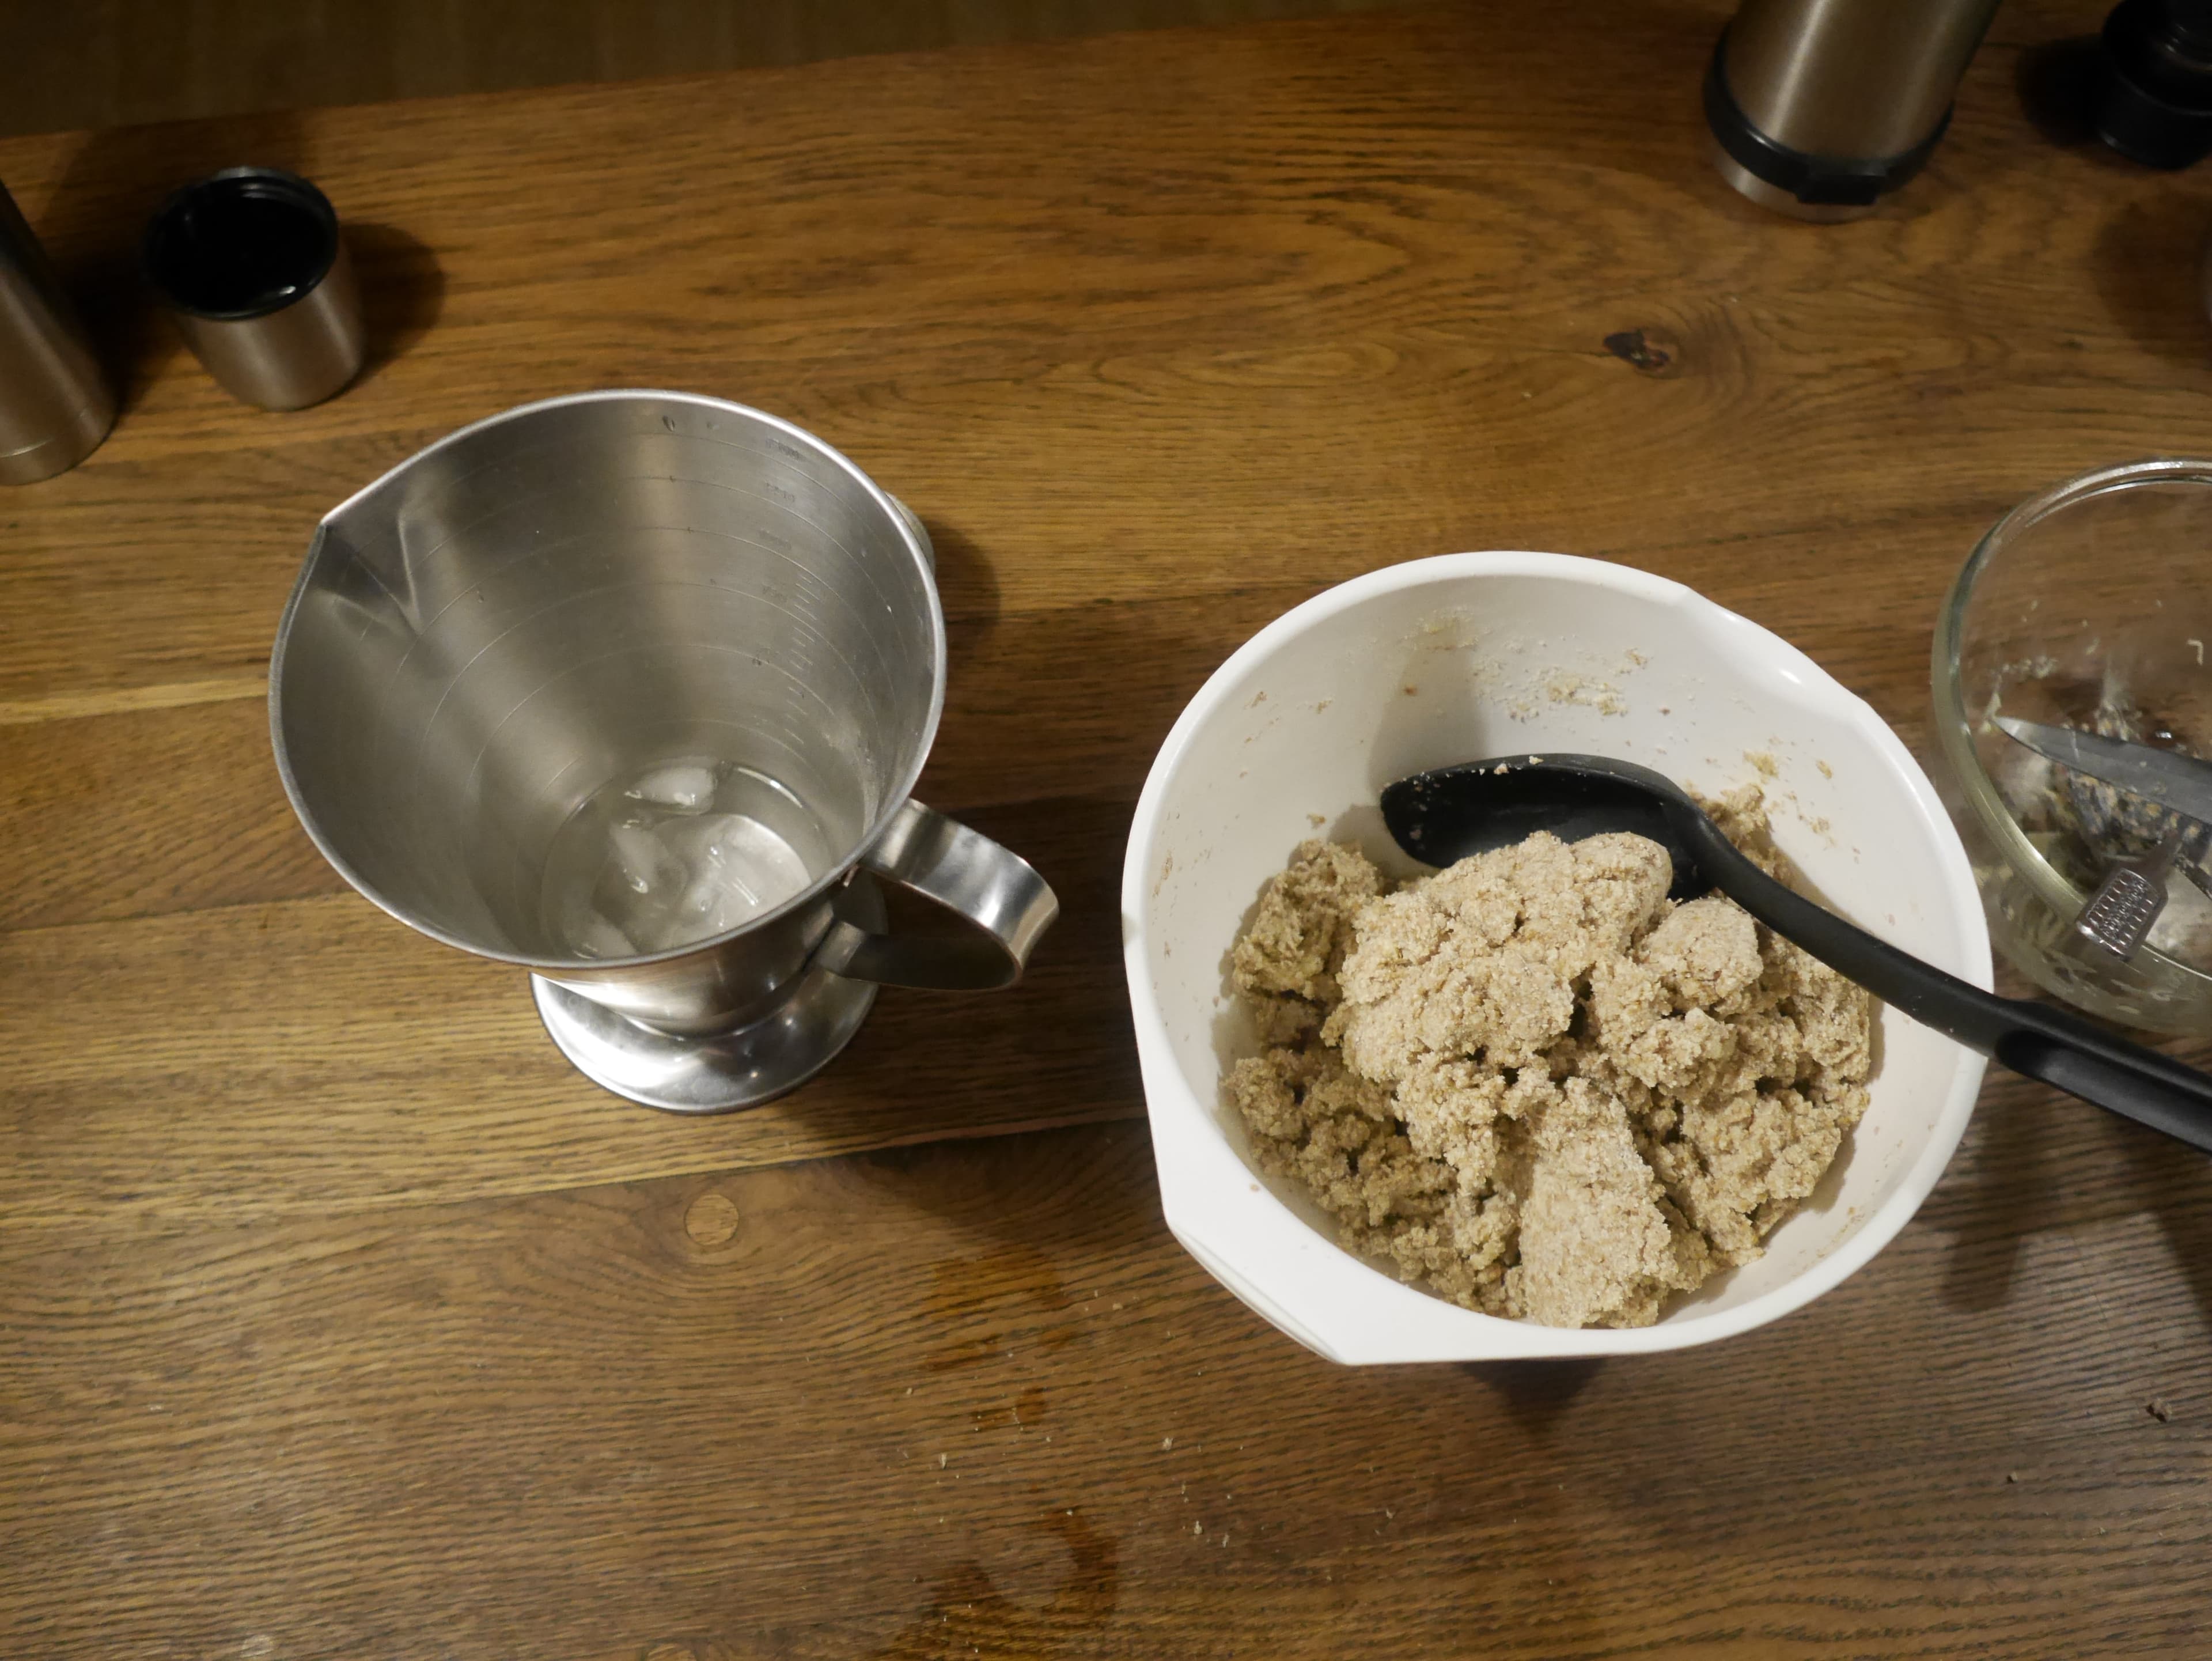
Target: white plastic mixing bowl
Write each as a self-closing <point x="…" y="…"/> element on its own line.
<point x="1447" y="660"/>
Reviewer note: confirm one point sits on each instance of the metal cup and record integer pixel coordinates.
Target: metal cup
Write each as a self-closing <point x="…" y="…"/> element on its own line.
<point x="489" y="639"/>
<point x="254" y="272"/>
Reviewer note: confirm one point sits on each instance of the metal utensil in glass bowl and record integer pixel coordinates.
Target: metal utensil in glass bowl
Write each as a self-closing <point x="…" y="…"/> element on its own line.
<point x="2127" y="790"/>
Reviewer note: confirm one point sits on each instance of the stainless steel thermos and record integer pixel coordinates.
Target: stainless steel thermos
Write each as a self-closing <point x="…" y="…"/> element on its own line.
<point x="1821" y="107"/>
<point x="55" y="402"/>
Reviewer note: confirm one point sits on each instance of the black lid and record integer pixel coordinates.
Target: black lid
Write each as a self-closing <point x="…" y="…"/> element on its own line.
<point x="241" y="243"/>
<point x="2151" y="97"/>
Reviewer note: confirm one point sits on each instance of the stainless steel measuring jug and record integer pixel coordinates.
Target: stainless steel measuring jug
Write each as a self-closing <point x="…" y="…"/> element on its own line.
<point x="631" y="689"/>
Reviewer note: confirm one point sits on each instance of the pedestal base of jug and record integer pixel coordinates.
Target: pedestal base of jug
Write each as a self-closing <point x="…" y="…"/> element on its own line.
<point x="719" y="1073"/>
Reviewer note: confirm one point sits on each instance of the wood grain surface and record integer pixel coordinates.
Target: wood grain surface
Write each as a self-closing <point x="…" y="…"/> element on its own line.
<point x="337" y="1317"/>
<point x="102" y="62"/>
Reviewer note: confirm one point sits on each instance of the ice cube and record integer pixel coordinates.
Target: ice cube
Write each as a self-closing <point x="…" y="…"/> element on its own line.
<point x="760" y="862"/>
<point x="702" y="907"/>
<point x="713" y="836"/>
<point x="717" y="897"/>
<point x="597" y="938"/>
<point x="685" y="787"/>
<point x="643" y="861"/>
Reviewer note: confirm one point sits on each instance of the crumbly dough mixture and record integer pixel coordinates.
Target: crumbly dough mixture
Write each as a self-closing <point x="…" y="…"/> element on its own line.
<point x="1533" y="1082"/>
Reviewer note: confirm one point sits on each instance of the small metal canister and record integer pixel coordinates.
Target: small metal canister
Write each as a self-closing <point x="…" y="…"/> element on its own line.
<point x="256" y="274"/>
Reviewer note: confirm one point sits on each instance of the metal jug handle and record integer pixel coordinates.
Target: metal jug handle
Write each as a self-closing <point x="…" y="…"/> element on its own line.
<point x="1008" y="905"/>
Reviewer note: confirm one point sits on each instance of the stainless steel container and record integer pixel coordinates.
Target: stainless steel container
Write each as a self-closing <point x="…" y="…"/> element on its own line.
<point x="499" y="638"/>
<point x="257" y="276"/>
<point x="1818" y="108"/>
<point x="55" y="403"/>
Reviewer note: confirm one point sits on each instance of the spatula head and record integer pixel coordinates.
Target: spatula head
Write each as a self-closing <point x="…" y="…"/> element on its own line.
<point x="1443" y="816"/>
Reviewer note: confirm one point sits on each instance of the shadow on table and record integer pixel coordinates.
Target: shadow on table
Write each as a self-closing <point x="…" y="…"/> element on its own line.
<point x="1535" y="1393"/>
<point x="403" y="289"/>
<point x="2052" y="81"/>
<point x="2176" y="1184"/>
<point x="2148" y="256"/>
<point x="1058" y="1046"/>
<point x="2147" y="268"/>
<point x="2034" y="1153"/>
<point x="1051" y="720"/>
<point x="967" y="587"/>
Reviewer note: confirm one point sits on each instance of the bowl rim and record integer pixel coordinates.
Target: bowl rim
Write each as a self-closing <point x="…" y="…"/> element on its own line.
<point x="1947" y="692"/>
<point x="1193" y="1155"/>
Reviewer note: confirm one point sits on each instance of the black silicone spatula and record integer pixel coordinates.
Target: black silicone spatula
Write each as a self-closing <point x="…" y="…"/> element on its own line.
<point x="1443" y="816"/>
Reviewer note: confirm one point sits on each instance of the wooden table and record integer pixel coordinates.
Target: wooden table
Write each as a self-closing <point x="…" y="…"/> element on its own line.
<point x="338" y="1317"/>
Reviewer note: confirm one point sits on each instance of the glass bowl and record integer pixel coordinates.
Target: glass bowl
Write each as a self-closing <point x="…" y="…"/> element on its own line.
<point x="2089" y="606"/>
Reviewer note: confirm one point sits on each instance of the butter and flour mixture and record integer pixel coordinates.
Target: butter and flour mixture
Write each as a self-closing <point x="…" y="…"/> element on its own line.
<point x="1535" y="1084"/>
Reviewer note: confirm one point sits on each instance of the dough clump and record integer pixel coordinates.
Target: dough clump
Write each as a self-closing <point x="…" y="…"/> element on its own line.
<point x="1536" y="1084"/>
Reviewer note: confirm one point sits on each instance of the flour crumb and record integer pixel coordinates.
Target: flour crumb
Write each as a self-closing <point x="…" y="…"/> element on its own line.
<point x="1763" y="763"/>
<point x="1587" y="692"/>
<point x="1827" y="772"/>
<point x="1534" y="1083"/>
<point x="2159" y="1410"/>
